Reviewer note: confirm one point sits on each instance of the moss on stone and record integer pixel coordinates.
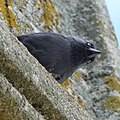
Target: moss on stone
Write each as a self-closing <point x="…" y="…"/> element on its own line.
<point x="81" y="102"/>
<point x="78" y="75"/>
<point x="8" y="15"/>
<point x="112" y="83"/>
<point x="50" y="15"/>
<point x="65" y="84"/>
<point x="112" y="103"/>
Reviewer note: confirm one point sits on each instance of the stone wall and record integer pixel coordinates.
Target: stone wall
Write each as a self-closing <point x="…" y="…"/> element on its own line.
<point x="93" y="89"/>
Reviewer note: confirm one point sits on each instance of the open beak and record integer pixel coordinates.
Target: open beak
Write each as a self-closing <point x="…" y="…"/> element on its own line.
<point x="93" y="52"/>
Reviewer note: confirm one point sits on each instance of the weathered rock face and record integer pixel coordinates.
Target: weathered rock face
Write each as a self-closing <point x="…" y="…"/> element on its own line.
<point x="27" y="77"/>
<point x="95" y="87"/>
<point x="43" y="93"/>
<point x="101" y="89"/>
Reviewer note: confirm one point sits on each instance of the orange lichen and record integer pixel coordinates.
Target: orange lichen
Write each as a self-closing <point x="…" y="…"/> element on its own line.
<point x="65" y="84"/>
<point x="50" y="15"/>
<point x="5" y="8"/>
<point x="113" y="83"/>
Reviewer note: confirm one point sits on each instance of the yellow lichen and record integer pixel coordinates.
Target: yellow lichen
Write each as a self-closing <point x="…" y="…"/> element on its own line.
<point x="80" y="101"/>
<point x="65" y="84"/>
<point x="50" y="16"/>
<point x="112" y="103"/>
<point x="5" y="6"/>
<point x="113" y="83"/>
<point x="78" y="75"/>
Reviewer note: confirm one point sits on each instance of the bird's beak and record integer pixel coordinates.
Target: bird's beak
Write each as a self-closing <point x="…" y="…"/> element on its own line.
<point x="94" y="52"/>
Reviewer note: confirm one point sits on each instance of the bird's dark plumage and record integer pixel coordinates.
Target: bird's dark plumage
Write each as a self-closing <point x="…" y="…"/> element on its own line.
<point x="60" y="55"/>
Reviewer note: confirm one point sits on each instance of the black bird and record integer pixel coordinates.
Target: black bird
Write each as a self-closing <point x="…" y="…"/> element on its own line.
<point x="60" y="55"/>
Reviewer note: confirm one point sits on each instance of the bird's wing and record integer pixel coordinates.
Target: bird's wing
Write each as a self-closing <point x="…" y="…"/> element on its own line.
<point x="51" y="50"/>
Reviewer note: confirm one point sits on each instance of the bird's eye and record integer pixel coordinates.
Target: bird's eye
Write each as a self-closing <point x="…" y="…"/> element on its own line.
<point x="89" y="44"/>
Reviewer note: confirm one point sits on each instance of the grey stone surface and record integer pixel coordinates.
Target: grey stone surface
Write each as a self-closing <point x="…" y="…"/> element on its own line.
<point x="90" y="19"/>
<point x="14" y="106"/>
<point x="34" y="82"/>
<point x="97" y="85"/>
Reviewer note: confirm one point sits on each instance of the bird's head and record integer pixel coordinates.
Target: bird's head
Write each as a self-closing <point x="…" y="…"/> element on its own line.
<point x="83" y="52"/>
<point x="91" y="52"/>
